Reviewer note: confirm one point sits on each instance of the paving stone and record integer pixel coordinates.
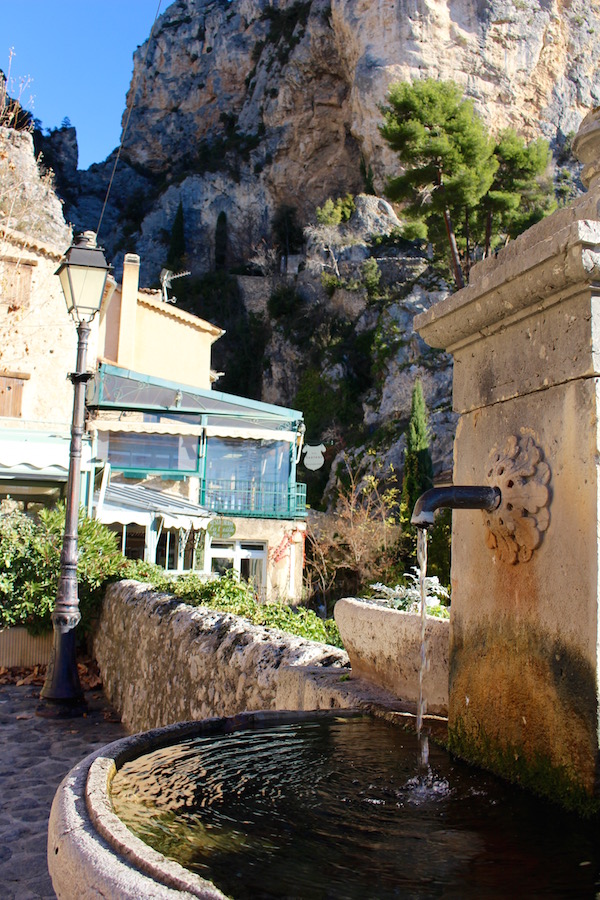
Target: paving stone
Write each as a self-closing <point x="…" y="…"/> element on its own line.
<point x="36" y="754"/>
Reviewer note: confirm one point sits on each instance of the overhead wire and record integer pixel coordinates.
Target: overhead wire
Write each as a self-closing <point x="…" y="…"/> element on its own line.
<point x="129" y="111"/>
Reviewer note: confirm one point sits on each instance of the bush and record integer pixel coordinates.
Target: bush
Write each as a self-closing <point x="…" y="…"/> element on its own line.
<point x="284" y="302"/>
<point x="30" y="566"/>
<point x="228" y="594"/>
<point x="407" y="597"/>
<point x="334" y="212"/>
<point x="371" y="277"/>
<point x="30" y="570"/>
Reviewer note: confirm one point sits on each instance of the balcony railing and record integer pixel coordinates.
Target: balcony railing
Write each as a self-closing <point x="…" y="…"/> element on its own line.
<point x="264" y="500"/>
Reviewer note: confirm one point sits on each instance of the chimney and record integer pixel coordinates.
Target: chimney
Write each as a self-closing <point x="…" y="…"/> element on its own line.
<point x="127" y="323"/>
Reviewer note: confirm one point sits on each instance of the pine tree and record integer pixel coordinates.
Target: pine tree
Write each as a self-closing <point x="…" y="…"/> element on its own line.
<point x="462" y="191"/>
<point x="447" y="155"/>
<point x="520" y="194"/>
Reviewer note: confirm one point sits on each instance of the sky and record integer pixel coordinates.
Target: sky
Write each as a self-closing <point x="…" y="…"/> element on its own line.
<point x="74" y="59"/>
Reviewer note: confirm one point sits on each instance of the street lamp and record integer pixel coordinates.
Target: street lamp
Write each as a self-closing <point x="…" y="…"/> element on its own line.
<point x="83" y="274"/>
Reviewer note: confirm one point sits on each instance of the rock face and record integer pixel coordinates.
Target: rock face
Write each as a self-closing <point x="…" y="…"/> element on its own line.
<point x="244" y="106"/>
<point x="247" y="107"/>
<point x="28" y="203"/>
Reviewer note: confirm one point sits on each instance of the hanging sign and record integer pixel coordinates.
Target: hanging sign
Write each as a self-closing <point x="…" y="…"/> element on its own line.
<point x="313" y="456"/>
<point x="221" y="528"/>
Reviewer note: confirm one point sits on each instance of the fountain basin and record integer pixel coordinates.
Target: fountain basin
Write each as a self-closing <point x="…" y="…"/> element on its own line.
<point x="302" y="804"/>
<point x="384" y="646"/>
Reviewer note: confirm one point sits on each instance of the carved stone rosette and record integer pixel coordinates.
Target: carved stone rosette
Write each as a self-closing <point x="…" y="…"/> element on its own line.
<point x="516" y="527"/>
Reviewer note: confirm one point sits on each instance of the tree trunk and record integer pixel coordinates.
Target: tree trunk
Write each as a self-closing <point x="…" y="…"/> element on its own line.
<point x="488" y="234"/>
<point x="468" y="245"/>
<point x="456" y="266"/>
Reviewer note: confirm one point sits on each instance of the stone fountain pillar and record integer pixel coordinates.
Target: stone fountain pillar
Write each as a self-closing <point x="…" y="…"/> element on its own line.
<point x="525" y="635"/>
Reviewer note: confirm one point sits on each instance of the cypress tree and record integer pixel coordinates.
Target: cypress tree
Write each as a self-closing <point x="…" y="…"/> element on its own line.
<point x="221" y="242"/>
<point x="418" y="465"/>
<point x="176" y="250"/>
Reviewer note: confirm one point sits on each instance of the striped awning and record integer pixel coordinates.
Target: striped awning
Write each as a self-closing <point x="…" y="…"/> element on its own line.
<point x="134" y="504"/>
<point x="129" y="426"/>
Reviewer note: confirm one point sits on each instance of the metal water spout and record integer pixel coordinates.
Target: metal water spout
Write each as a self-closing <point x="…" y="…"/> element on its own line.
<point x="454" y="497"/>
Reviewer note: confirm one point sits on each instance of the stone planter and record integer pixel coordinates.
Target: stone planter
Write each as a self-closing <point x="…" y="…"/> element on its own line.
<point x="19" y="648"/>
<point x="384" y="646"/>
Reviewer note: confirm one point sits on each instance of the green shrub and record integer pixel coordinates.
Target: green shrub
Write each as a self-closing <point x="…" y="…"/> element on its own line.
<point x="30" y="566"/>
<point x="228" y="594"/>
<point x="334" y="212"/>
<point x="283" y="302"/>
<point x="371" y="277"/>
<point x="407" y="596"/>
<point x="330" y="283"/>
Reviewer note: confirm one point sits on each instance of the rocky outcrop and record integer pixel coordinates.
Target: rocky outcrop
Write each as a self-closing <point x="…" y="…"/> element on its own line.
<point x="57" y="150"/>
<point x="28" y="203"/>
<point x="244" y="106"/>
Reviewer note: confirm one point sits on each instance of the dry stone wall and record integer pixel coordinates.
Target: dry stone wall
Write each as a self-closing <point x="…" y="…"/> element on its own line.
<point x="164" y="662"/>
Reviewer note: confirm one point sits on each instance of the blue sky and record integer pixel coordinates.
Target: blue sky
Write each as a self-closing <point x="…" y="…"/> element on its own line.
<point x="78" y="58"/>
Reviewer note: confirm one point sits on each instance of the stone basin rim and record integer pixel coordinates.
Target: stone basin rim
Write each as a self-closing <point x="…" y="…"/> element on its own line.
<point x="92" y="854"/>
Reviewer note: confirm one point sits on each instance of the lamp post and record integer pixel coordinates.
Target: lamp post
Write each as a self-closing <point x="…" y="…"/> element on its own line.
<point x="83" y="275"/>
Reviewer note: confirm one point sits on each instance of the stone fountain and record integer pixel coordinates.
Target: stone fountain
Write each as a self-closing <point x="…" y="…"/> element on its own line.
<point x="524" y="659"/>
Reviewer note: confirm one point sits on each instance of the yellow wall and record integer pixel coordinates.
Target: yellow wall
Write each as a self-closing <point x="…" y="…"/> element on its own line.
<point x="139" y="331"/>
<point x="171" y="344"/>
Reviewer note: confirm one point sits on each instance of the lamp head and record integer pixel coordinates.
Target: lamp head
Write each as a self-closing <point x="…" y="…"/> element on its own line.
<point x="83" y="275"/>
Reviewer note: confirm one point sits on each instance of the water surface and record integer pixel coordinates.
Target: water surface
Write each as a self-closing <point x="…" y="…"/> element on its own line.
<point x="335" y="808"/>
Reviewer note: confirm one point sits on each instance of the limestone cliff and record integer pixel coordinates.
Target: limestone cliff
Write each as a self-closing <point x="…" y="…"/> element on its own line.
<point x="28" y="203"/>
<point x="242" y="106"/>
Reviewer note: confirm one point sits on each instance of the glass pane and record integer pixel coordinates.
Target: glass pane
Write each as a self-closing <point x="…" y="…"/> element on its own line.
<point x="135" y="542"/>
<point x="163" y="452"/>
<point x="248" y="476"/>
<point x="248" y="460"/>
<point x="221" y="566"/>
<point x="166" y="549"/>
<point x="251" y="570"/>
<point x="188" y="553"/>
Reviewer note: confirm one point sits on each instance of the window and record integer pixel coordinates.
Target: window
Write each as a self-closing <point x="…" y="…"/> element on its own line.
<point x="11" y="393"/>
<point x="177" y="550"/>
<point x="248" y="559"/>
<point x="149" y="452"/>
<point x="247" y="476"/>
<point x="15" y="283"/>
<point x="245" y="460"/>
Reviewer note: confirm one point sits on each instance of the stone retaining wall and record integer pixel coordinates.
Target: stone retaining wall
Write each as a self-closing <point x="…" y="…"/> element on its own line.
<point x="164" y="662"/>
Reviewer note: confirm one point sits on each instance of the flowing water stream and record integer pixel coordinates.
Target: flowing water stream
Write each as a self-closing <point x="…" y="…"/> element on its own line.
<point x="423" y="662"/>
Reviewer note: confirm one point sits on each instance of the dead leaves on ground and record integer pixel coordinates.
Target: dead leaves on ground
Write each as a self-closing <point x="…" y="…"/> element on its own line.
<point x="89" y="675"/>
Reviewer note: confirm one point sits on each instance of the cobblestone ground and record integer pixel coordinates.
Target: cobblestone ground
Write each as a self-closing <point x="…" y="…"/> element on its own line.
<point x="35" y="755"/>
